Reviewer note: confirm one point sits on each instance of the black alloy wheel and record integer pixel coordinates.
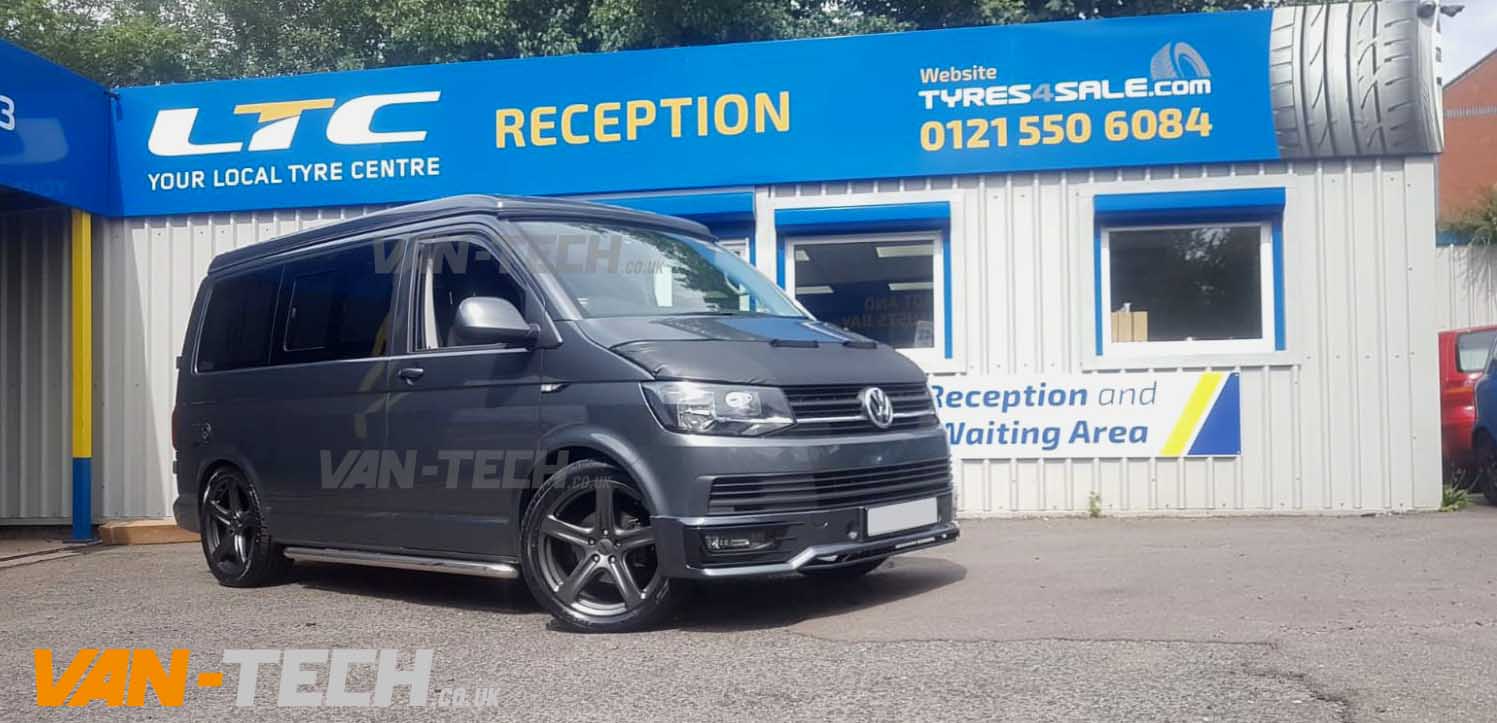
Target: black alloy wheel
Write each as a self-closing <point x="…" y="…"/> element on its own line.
<point x="239" y="551"/>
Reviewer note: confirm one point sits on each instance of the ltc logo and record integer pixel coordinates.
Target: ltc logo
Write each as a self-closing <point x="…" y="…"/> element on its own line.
<point x="349" y="125"/>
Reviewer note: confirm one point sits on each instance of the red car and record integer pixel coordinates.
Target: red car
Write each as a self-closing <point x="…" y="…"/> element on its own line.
<point x="1463" y="358"/>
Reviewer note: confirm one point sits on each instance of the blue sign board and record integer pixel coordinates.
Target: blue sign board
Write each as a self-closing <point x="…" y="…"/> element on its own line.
<point x="54" y="132"/>
<point x="1171" y="89"/>
<point x="1126" y="92"/>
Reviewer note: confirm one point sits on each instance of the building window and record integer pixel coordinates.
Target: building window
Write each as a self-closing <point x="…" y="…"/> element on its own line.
<point x="886" y="287"/>
<point x="1197" y="288"/>
<point x="738" y="245"/>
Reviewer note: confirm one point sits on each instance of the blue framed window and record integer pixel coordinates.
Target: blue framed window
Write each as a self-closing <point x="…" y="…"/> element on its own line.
<point x="1198" y="272"/>
<point x="883" y="271"/>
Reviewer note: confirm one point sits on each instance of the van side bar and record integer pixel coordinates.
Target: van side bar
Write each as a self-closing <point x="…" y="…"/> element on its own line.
<point x="404" y="562"/>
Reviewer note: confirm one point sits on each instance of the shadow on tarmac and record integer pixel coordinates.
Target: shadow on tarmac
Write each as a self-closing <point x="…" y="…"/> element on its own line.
<point x="740" y="605"/>
<point x="711" y="607"/>
<point x="419" y="588"/>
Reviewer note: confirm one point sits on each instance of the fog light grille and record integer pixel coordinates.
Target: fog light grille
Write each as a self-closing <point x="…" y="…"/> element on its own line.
<point x="829" y="490"/>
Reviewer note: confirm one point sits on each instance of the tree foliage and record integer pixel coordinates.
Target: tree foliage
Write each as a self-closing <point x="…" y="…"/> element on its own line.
<point x="116" y="43"/>
<point x="1478" y="224"/>
<point x="132" y="42"/>
<point x="624" y="24"/>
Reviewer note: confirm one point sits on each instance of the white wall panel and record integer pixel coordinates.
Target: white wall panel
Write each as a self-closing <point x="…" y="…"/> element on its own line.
<point x="1344" y="420"/>
<point x="35" y="383"/>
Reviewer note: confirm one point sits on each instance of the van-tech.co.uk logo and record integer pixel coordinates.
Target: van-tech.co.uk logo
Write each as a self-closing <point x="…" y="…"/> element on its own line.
<point x="137" y="677"/>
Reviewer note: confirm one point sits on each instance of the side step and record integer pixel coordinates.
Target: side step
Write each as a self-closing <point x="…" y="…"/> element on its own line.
<point x="404" y="562"/>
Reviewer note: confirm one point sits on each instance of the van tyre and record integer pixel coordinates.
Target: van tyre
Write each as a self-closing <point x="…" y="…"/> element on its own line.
<point x="588" y="552"/>
<point x="1353" y="80"/>
<point x="236" y="545"/>
<point x="1484" y="451"/>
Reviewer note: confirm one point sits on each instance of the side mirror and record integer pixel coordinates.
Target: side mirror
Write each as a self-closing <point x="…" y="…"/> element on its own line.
<point x="490" y="320"/>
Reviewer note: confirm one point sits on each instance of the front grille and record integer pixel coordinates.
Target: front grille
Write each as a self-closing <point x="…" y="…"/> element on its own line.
<point x="834" y="409"/>
<point x="828" y="490"/>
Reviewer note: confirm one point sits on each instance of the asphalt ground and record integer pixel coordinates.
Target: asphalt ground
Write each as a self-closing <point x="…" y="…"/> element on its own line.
<point x="1251" y="619"/>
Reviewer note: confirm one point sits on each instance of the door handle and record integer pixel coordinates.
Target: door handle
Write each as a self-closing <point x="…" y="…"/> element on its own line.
<point x="411" y="374"/>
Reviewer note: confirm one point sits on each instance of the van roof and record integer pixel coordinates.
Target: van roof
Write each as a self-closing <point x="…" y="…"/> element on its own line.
<point x="502" y="206"/>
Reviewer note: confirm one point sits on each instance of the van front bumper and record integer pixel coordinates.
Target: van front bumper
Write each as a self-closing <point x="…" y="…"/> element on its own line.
<point x="802" y="540"/>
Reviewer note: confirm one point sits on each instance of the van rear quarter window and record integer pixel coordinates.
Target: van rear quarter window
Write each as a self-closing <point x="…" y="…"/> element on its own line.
<point x="237" y="324"/>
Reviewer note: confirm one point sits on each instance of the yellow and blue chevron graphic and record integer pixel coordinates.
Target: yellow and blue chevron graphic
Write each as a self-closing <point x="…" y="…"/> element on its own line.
<point x="1210" y="423"/>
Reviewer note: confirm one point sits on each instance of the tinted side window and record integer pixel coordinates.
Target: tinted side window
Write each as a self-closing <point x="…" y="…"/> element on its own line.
<point x="337" y="305"/>
<point x="311" y="306"/>
<point x="237" y="324"/>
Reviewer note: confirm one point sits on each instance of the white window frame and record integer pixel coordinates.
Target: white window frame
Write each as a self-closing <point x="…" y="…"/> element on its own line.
<point x="928" y="358"/>
<point x="1264" y="344"/>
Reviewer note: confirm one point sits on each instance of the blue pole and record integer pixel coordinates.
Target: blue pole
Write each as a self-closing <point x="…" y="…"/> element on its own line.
<point x="83" y="500"/>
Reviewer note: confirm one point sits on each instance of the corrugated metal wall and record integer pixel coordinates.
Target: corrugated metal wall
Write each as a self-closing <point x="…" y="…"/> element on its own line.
<point x="35" y="391"/>
<point x="1346" y="419"/>
<point x="1466" y="290"/>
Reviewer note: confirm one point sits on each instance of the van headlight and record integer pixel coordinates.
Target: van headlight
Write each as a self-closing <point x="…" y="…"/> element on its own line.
<point x="727" y="409"/>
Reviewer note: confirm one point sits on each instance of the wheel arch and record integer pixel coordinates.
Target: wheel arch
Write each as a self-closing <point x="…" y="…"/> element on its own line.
<point x="596" y="443"/>
<point x="211" y="464"/>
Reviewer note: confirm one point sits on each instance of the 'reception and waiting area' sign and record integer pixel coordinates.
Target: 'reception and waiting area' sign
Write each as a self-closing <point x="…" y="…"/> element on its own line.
<point x="1091" y="415"/>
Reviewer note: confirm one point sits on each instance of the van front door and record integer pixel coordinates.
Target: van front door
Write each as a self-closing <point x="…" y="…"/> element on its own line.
<point x="463" y="419"/>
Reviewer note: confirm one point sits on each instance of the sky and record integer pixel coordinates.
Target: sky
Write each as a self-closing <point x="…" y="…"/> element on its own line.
<point x="1468" y="36"/>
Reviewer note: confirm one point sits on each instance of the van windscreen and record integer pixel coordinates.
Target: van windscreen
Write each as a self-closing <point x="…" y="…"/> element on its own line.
<point x="613" y="270"/>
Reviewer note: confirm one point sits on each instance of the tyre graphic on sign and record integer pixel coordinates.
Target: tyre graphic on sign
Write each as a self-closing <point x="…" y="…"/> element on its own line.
<point x="1355" y="80"/>
<point x="1178" y="61"/>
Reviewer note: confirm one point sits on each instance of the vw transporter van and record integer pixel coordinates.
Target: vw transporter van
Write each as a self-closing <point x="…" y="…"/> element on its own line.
<point x="598" y="400"/>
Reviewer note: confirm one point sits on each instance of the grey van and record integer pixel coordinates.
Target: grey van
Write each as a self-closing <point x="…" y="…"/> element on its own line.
<point x="601" y="401"/>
